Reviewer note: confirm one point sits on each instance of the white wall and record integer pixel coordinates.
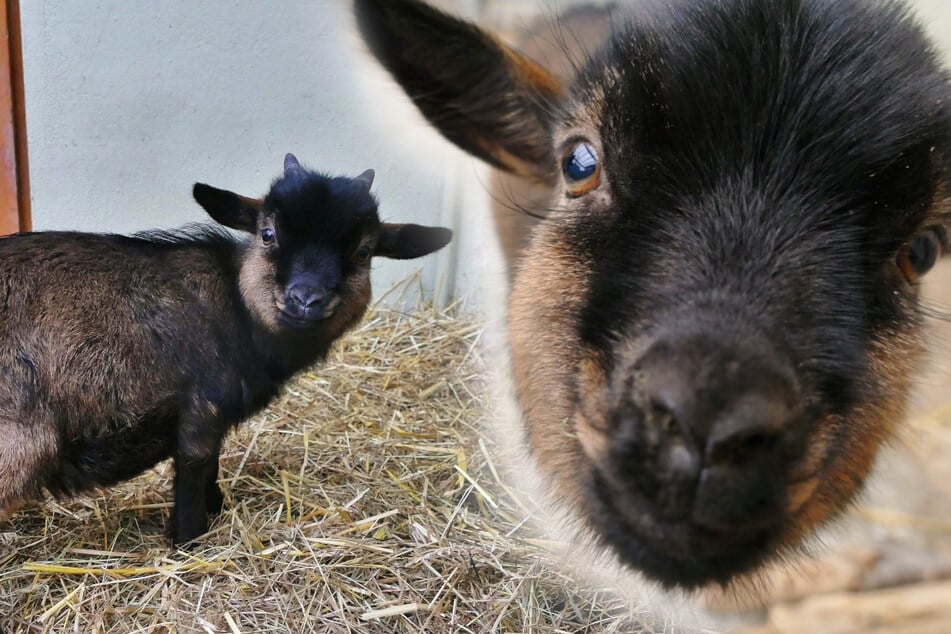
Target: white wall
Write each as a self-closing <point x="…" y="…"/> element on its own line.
<point x="130" y="102"/>
<point x="935" y="15"/>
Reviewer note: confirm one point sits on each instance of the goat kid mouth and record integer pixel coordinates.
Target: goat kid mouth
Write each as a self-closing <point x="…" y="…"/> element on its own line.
<point x="673" y="535"/>
<point x="298" y="322"/>
<point x="799" y="490"/>
<point x="676" y="553"/>
<point x="302" y="323"/>
<point x="679" y="552"/>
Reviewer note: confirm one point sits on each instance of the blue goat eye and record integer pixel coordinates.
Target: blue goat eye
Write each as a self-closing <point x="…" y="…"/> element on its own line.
<point x="921" y="254"/>
<point x="582" y="169"/>
<point x="267" y="236"/>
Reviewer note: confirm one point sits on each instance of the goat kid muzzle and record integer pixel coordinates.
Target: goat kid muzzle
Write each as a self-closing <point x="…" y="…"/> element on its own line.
<point x="306" y="303"/>
<point x="701" y="431"/>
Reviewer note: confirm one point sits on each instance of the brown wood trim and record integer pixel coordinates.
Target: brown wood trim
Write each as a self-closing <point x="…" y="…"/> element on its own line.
<point x="14" y="171"/>
<point x="19" y="115"/>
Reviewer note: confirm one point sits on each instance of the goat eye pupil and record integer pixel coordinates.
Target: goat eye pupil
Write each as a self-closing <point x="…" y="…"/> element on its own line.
<point x="923" y="253"/>
<point x="582" y="163"/>
<point x="267" y="235"/>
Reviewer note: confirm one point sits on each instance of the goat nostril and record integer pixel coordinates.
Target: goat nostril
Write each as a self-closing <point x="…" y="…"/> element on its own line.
<point x="313" y="300"/>
<point x="751" y="429"/>
<point x="306" y="296"/>
<point x="743" y="448"/>
<point x="662" y="417"/>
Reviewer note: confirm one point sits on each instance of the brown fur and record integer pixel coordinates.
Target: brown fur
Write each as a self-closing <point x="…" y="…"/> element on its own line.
<point x="548" y="292"/>
<point x="20" y="453"/>
<point x="257" y="283"/>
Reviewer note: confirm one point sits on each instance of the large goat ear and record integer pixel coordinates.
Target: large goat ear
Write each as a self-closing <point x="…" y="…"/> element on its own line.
<point x="485" y="97"/>
<point x="228" y="208"/>
<point x="405" y="242"/>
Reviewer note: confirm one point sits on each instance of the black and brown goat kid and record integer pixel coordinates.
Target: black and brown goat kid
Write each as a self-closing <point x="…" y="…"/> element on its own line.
<point x="118" y="352"/>
<point x="715" y="320"/>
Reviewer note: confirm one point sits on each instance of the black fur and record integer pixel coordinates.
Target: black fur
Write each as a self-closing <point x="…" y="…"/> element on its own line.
<point x="433" y="82"/>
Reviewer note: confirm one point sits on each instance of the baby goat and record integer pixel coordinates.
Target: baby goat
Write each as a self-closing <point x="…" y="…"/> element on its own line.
<point x="117" y="352"/>
<point x="714" y="324"/>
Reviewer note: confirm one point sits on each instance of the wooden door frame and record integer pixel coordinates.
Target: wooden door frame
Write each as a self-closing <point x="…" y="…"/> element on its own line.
<point x="14" y="171"/>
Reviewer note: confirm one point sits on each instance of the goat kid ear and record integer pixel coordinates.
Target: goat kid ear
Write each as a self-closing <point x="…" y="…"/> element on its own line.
<point x="228" y="208"/>
<point x="485" y="97"/>
<point x="408" y="241"/>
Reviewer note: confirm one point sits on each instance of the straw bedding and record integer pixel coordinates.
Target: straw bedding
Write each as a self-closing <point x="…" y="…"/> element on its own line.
<point x="365" y="499"/>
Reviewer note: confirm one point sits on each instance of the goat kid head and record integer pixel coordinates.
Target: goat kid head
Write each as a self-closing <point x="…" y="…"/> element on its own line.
<point x="306" y="269"/>
<point x="713" y="328"/>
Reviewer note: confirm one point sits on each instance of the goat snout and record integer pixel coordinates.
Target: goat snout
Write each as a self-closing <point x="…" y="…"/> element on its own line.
<point x="306" y="301"/>
<point x="704" y="433"/>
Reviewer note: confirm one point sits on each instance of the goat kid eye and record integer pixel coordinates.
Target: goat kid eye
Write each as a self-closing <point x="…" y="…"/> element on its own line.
<point x="921" y="254"/>
<point x="363" y="254"/>
<point x="581" y="168"/>
<point x="267" y="236"/>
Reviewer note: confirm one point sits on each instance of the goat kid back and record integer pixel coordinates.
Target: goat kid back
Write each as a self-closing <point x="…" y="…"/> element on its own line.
<point x="715" y="321"/>
<point x="118" y="352"/>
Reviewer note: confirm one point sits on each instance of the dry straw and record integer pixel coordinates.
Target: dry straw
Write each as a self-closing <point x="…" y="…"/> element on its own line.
<point x="363" y="500"/>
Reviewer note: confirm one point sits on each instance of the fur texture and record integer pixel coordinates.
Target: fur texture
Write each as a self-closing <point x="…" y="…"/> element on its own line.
<point x="713" y="338"/>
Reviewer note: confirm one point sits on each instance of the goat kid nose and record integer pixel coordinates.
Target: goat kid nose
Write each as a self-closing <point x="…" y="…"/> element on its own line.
<point x="709" y="426"/>
<point x="749" y="429"/>
<point x="733" y="409"/>
<point x="306" y="296"/>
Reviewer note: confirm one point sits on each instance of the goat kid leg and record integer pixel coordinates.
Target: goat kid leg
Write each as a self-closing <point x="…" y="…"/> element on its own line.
<point x="196" y="469"/>
<point x="214" y="498"/>
<point x="189" y="518"/>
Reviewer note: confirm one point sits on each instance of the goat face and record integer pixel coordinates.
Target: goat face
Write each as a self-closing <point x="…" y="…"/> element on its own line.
<point x="712" y="329"/>
<point x="306" y="271"/>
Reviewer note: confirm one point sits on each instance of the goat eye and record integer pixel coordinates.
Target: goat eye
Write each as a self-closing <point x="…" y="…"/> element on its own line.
<point x="921" y="254"/>
<point x="267" y="235"/>
<point x="582" y="169"/>
<point x="363" y="254"/>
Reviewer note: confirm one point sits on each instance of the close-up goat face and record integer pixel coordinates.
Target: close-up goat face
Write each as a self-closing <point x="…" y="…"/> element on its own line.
<point x="715" y="324"/>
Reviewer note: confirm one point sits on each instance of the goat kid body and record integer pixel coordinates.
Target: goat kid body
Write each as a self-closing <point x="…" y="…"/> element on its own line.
<point x="132" y="374"/>
<point x="118" y="352"/>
